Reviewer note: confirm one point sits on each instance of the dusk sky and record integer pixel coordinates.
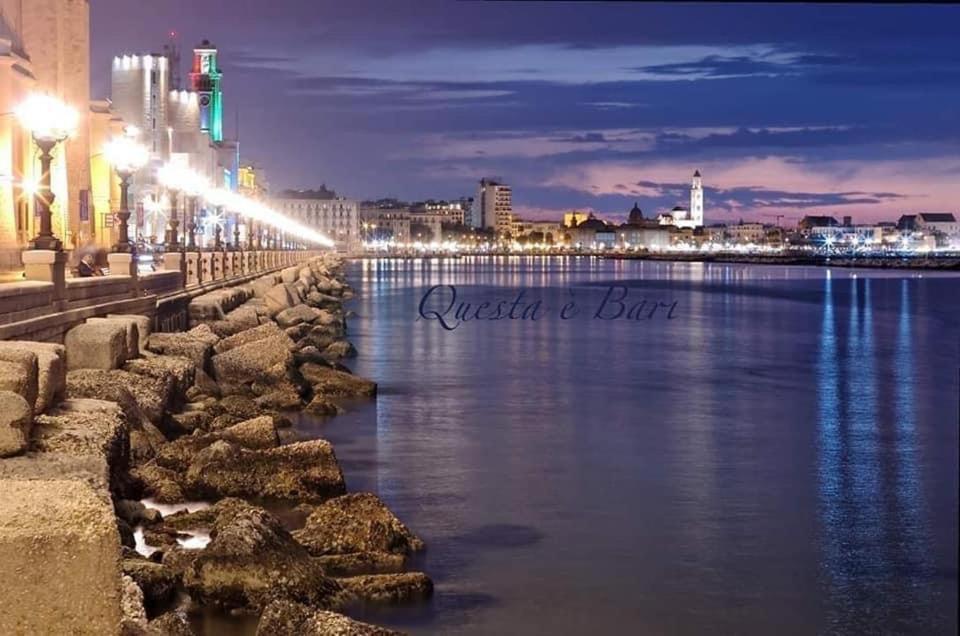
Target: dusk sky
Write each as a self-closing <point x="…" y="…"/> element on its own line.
<point x="790" y="110"/>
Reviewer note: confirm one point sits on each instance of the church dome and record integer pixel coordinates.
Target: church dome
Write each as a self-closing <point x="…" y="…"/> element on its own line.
<point x="636" y="215"/>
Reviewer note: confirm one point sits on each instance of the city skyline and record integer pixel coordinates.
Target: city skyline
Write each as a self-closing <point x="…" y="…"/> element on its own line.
<point x="584" y="106"/>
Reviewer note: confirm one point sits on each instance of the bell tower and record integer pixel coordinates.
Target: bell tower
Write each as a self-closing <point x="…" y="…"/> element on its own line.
<point x="696" y="200"/>
<point x="205" y="79"/>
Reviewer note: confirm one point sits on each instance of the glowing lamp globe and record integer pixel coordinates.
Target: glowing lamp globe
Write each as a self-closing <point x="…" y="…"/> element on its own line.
<point x="126" y="155"/>
<point x="47" y="118"/>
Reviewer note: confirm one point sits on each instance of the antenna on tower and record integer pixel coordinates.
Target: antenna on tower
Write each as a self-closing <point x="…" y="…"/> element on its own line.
<point x="172" y="50"/>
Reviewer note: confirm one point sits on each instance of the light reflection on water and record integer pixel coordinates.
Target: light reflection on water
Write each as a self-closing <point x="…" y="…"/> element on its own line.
<point x="782" y="457"/>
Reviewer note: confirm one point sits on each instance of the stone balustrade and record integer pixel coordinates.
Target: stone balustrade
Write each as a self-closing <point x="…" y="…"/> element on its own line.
<point x="48" y="303"/>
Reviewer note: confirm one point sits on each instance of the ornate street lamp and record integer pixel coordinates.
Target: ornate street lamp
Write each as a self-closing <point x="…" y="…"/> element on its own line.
<point x="126" y="156"/>
<point x="193" y="188"/>
<point x="171" y="177"/>
<point x="50" y="122"/>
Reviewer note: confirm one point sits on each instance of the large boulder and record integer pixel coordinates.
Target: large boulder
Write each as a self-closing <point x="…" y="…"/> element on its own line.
<point x="158" y="582"/>
<point x="267" y="330"/>
<point x="181" y="370"/>
<point x="132" y="329"/>
<point x="60" y="552"/>
<point x="144" y="327"/>
<point x="51" y="370"/>
<point x="183" y="345"/>
<point x="265" y="361"/>
<point x="330" y="382"/>
<point x="305" y="471"/>
<point x="288" y="618"/>
<point x="96" y="345"/>
<point x="258" y="432"/>
<point x="252" y="560"/>
<point x="387" y="589"/>
<point x="152" y="394"/>
<point x="280" y="297"/>
<point x="16" y="420"/>
<point x="357" y="522"/>
<point x="162" y="484"/>
<point x="358" y="563"/>
<point x="19" y="373"/>
<point x="297" y="314"/>
<point x="340" y="349"/>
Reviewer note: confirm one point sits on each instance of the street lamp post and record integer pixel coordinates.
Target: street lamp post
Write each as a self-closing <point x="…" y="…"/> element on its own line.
<point x="126" y="156"/>
<point x="50" y="122"/>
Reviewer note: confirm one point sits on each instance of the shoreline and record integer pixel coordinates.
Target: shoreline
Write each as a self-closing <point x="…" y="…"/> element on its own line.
<point x="207" y="503"/>
<point x="926" y="263"/>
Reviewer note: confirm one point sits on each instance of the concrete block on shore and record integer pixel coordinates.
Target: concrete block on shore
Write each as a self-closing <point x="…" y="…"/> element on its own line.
<point x="19" y="372"/>
<point x="51" y="370"/>
<point x="97" y="345"/>
<point x="144" y="327"/>
<point x="16" y="420"/>
<point x="132" y="331"/>
<point x="59" y="559"/>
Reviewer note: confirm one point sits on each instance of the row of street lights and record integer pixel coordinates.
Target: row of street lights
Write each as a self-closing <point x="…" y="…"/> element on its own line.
<point x="51" y="122"/>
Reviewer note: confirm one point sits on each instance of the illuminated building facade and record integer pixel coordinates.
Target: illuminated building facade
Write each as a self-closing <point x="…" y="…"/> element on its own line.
<point x="324" y="212"/>
<point x="493" y="207"/>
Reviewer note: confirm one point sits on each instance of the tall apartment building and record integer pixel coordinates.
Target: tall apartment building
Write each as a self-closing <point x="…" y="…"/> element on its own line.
<point x="323" y="211"/>
<point x="493" y="207"/>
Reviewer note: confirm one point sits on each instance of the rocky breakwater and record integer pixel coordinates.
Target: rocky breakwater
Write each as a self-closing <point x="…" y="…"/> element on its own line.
<point x="103" y="436"/>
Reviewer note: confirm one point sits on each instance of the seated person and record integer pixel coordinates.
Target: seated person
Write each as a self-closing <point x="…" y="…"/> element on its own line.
<point x="88" y="267"/>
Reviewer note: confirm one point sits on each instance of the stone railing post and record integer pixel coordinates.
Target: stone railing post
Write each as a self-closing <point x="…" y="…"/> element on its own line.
<point x="194" y="276"/>
<point x="206" y="266"/>
<point x="216" y="265"/>
<point x="49" y="266"/>
<point x="125" y="264"/>
<point x="175" y="262"/>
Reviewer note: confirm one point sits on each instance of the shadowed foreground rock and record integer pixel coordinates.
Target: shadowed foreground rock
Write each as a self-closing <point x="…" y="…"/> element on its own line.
<point x="286" y="618"/>
<point x="330" y="382"/>
<point x="252" y="560"/>
<point x="357" y="522"/>
<point x="386" y="589"/>
<point x="59" y="551"/>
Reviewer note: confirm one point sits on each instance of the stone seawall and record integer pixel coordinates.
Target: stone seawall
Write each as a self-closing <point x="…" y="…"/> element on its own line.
<point x="192" y="421"/>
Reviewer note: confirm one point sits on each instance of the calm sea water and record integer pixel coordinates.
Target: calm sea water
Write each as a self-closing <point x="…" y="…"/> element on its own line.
<point x="779" y="457"/>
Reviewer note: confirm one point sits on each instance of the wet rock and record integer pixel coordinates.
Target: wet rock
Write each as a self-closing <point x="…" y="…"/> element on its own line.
<point x="388" y="589"/>
<point x="318" y="299"/>
<point x="157" y="581"/>
<point x="255" y="433"/>
<point x="135" y="513"/>
<point x="285" y="398"/>
<point x="95" y="345"/>
<point x="358" y="522"/>
<point x="16" y="420"/>
<point x="258" y="361"/>
<point x="173" y="623"/>
<point x="19" y="373"/>
<point x="252" y="560"/>
<point x="51" y="372"/>
<point x="180" y="453"/>
<point x="333" y="383"/>
<point x="359" y="563"/>
<point x="301" y="471"/>
<point x="323" y="407"/>
<point x="182" y="345"/>
<point x="131" y="605"/>
<point x="340" y="349"/>
<point x="181" y="370"/>
<point x="287" y="618"/>
<point x="296" y="315"/>
<point x="159" y="483"/>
